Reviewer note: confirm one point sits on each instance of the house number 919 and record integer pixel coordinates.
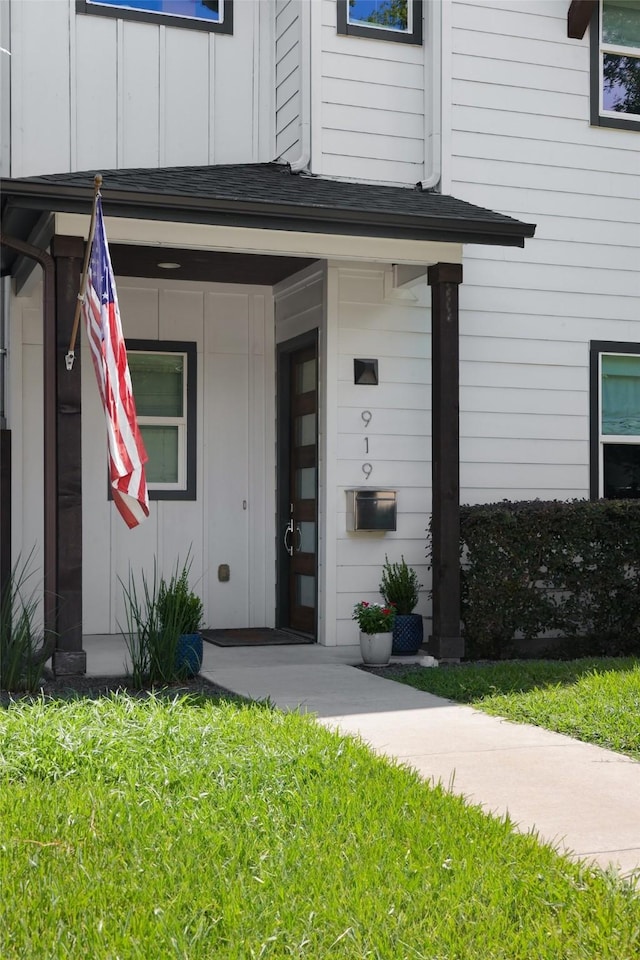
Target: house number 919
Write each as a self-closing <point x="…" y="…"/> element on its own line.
<point x="367" y="417"/>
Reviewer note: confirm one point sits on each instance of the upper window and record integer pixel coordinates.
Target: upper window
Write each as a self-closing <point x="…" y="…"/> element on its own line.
<point x="615" y="421"/>
<point x="163" y="377"/>
<point x="381" y="19"/>
<point x="615" y="65"/>
<point x="199" y="14"/>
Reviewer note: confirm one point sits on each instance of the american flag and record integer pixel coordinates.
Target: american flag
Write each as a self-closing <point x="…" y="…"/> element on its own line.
<point x="127" y="454"/>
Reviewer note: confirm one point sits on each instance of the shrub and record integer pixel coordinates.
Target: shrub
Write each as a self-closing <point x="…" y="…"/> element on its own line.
<point x="570" y="569"/>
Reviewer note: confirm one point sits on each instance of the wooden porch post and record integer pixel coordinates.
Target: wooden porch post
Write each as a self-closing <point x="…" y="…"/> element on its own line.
<point x="69" y="657"/>
<point x="446" y="642"/>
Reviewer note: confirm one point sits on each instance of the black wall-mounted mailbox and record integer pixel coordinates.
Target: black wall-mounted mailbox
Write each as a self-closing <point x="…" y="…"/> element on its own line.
<point x="371" y="510"/>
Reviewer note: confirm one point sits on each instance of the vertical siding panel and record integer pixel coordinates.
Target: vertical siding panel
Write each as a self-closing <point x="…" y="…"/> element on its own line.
<point x="5" y="91"/>
<point x="40" y="88"/>
<point x="234" y="68"/>
<point x="140" y="96"/>
<point x="94" y="94"/>
<point x="186" y="100"/>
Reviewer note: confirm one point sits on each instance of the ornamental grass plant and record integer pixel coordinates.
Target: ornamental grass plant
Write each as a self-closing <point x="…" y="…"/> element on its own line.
<point x="23" y="648"/>
<point x="157" y="614"/>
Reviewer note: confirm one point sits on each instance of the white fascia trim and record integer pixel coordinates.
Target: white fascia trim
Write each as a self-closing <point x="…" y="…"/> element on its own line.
<point x="287" y="243"/>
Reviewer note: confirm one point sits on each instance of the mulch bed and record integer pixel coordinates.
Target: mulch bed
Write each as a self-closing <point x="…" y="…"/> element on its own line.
<point x="92" y="688"/>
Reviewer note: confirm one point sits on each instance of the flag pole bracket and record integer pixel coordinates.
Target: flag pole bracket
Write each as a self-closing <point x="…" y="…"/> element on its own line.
<point x="69" y="358"/>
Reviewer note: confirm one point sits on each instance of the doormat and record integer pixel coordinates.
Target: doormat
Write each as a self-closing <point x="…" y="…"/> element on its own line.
<point x="251" y="637"/>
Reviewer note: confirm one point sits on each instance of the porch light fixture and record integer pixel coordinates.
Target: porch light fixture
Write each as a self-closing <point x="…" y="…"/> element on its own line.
<point x="365" y="371"/>
<point x="169" y="265"/>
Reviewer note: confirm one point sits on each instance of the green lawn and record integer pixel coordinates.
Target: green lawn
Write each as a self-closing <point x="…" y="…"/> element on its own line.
<point x="596" y="700"/>
<point x="194" y="829"/>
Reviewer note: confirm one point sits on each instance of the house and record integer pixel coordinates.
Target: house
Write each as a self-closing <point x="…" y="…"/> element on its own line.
<point x="321" y="217"/>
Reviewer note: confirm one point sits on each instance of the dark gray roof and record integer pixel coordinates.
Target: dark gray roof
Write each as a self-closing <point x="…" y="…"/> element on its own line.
<point x="266" y="195"/>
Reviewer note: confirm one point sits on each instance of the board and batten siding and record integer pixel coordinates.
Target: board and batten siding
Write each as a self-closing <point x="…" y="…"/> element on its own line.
<point x="372" y="104"/>
<point x="231" y="521"/>
<point x="368" y="318"/>
<point x="94" y="92"/>
<point x="288" y="79"/>
<point x="521" y="143"/>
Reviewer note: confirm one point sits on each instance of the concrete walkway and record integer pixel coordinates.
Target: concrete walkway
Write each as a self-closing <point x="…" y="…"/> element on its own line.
<point x="582" y="798"/>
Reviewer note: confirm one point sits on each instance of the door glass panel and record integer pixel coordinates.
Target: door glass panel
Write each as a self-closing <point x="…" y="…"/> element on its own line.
<point x="306" y="376"/>
<point x="306" y="430"/>
<point x="307" y="536"/>
<point x="305" y="591"/>
<point x="306" y="483"/>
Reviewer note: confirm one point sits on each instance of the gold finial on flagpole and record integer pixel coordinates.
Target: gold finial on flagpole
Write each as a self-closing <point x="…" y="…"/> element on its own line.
<point x="70" y="355"/>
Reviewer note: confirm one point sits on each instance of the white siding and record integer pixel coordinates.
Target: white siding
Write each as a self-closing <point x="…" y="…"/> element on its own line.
<point x="521" y="143"/>
<point x="94" y="92"/>
<point x="231" y="521"/>
<point x="5" y="89"/>
<point x="372" y="103"/>
<point x="371" y="319"/>
<point x="288" y="78"/>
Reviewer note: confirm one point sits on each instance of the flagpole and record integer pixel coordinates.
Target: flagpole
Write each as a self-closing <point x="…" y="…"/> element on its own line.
<point x="70" y="356"/>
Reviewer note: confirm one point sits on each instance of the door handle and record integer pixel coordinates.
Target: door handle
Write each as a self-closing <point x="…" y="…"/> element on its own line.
<point x="288" y="529"/>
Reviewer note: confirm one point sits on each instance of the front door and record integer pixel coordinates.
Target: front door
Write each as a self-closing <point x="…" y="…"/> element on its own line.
<point x="298" y="484"/>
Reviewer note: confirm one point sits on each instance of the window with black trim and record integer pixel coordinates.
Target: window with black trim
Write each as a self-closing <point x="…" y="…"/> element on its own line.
<point x="615" y="64"/>
<point x="396" y="20"/>
<point x="215" y="15"/>
<point x="615" y="420"/>
<point x="163" y="377"/>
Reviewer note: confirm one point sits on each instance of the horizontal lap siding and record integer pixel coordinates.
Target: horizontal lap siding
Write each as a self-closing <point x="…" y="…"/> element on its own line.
<point x="288" y="79"/>
<point x="521" y="144"/>
<point x="372" y="107"/>
<point x="374" y="320"/>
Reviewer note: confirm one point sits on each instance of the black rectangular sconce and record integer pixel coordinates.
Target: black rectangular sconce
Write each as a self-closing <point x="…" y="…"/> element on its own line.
<point x="365" y="371"/>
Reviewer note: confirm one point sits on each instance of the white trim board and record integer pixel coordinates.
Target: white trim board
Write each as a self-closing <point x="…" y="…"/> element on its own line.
<point x="289" y="243"/>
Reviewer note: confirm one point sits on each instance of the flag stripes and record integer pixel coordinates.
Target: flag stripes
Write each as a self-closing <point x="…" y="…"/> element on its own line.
<point x="127" y="454"/>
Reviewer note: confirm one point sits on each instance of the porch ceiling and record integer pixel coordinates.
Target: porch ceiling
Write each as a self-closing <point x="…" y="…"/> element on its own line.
<point x="265" y="196"/>
<point x="202" y="266"/>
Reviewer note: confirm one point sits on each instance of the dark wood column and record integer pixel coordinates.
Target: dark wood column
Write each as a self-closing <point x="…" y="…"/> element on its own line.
<point x="69" y="657"/>
<point x="5" y="509"/>
<point x="446" y="642"/>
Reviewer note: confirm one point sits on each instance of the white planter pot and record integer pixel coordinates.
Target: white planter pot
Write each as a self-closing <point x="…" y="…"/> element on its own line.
<point x="376" y="647"/>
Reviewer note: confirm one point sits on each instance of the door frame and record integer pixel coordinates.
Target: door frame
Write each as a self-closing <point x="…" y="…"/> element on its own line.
<point x="310" y="338"/>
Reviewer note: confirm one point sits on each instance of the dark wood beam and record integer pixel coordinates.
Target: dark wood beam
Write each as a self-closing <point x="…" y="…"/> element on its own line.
<point x="579" y="17"/>
<point x="69" y="657"/>
<point x="49" y="423"/>
<point x="446" y="641"/>
<point x="5" y="510"/>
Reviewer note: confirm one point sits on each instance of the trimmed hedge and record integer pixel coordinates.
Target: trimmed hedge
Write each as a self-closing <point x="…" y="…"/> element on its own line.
<point x="569" y="569"/>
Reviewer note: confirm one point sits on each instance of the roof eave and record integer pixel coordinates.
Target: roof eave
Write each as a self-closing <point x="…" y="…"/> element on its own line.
<point x="307" y="218"/>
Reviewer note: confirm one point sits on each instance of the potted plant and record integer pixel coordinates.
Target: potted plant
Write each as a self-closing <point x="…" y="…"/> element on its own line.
<point x="180" y="615"/>
<point x="399" y="586"/>
<point x="376" y="631"/>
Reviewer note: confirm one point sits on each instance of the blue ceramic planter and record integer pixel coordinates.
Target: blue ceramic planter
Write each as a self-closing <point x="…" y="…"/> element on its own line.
<point x="189" y="653"/>
<point x="407" y="634"/>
